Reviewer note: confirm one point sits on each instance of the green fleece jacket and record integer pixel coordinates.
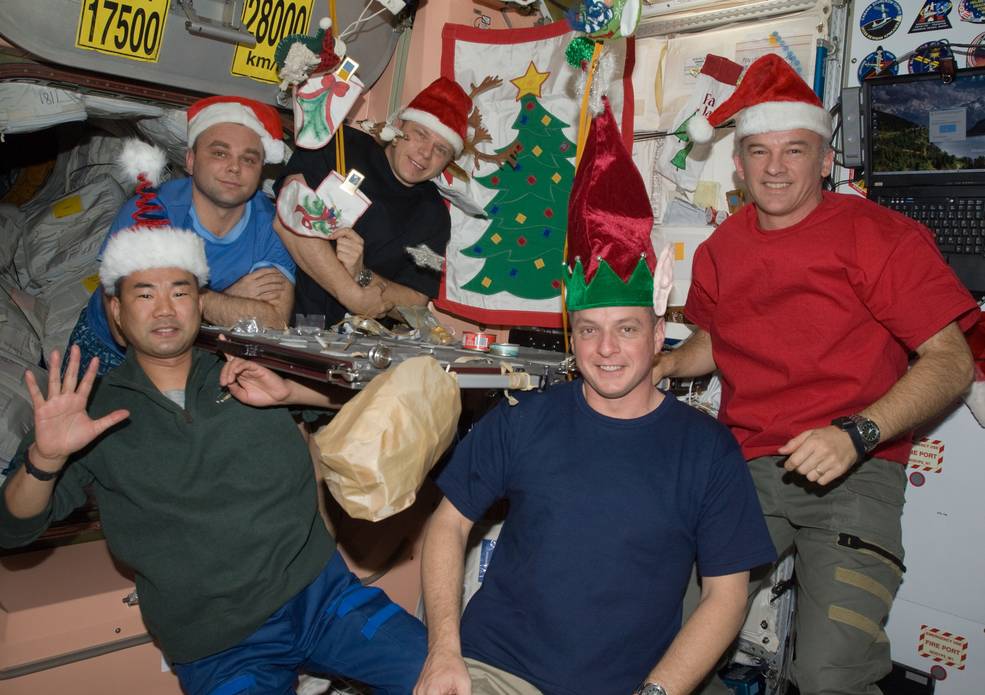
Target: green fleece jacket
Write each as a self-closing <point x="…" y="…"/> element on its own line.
<point x="212" y="506"/>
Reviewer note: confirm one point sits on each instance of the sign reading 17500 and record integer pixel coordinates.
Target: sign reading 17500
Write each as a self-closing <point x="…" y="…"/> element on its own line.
<point x="269" y="21"/>
<point x="129" y="28"/>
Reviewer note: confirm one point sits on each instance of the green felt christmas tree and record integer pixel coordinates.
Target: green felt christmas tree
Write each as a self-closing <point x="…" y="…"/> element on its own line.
<point x="523" y="247"/>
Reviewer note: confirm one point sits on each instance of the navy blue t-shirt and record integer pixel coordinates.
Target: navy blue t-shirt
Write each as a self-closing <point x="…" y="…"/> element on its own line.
<point x="606" y="519"/>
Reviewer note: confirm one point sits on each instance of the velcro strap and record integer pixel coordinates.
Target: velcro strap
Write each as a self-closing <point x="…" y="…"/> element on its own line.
<point x="356" y="597"/>
<point x="378" y="618"/>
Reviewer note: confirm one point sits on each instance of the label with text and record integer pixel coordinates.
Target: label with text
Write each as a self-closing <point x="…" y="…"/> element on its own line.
<point x="927" y="455"/>
<point x="127" y="28"/>
<point x="943" y="647"/>
<point x="269" y="21"/>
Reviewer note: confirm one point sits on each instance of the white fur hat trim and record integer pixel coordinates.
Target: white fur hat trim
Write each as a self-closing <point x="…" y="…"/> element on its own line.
<point x="142" y="248"/>
<point x="273" y="149"/>
<point x="429" y="120"/>
<point x="773" y="116"/>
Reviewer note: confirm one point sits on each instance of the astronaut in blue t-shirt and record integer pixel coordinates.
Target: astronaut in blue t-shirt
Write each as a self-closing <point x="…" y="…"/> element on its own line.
<point x="616" y="491"/>
<point x="251" y="273"/>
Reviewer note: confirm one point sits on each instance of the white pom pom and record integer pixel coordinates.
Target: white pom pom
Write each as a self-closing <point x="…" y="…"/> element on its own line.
<point x="139" y="157"/>
<point x="700" y="130"/>
<point x="325" y="23"/>
<point x="390" y="132"/>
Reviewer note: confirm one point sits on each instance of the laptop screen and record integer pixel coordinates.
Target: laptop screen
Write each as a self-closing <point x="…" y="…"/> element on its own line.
<point x="921" y="130"/>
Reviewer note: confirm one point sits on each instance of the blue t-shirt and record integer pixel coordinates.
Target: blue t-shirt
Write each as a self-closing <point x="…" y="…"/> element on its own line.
<point x="250" y="245"/>
<point x="606" y="520"/>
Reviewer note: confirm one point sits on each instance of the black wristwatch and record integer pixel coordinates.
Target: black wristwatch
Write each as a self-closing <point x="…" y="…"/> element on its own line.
<point x="364" y="277"/>
<point x="864" y="432"/>
<point x="36" y="472"/>
<point x="650" y="689"/>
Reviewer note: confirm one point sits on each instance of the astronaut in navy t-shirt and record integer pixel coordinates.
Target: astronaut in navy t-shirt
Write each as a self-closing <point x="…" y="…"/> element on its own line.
<point x="615" y="490"/>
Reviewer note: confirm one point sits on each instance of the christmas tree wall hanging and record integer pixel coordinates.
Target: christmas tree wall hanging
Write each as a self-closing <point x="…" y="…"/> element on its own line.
<point x="523" y="247"/>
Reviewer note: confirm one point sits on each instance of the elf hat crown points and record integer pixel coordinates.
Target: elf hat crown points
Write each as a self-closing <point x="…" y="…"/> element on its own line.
<point x="771" y="97"/>
<point x="262" y="119"/>
<point x="444" y="107"/>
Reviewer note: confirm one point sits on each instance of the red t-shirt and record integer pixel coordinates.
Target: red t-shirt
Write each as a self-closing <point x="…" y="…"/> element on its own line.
<point x="817" y="320"/>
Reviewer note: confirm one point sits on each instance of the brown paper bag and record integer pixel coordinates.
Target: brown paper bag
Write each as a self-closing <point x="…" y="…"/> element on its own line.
<point x="376" y="451"/>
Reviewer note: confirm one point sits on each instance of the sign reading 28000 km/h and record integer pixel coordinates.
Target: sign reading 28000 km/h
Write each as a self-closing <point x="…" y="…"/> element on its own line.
<point x="128" y="28"/>
<point x="269" y="21"/>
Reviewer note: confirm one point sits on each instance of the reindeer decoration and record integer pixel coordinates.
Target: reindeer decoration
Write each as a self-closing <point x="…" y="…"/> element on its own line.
<point x="478" y="134"/>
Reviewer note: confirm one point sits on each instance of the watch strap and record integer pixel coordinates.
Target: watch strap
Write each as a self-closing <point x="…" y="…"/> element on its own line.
<point x="36" y="472"/>
<point x="846" y="424"/>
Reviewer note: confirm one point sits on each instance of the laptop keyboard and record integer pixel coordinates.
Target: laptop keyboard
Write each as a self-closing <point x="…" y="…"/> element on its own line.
<point x="958" y="225"/>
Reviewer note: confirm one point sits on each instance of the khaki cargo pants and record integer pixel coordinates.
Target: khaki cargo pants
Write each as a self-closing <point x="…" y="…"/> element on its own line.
<point x="489" y="680"/>
<point x="848" y="567"/>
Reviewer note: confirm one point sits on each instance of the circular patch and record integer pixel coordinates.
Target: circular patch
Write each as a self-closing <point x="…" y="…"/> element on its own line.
<point x="928" y="56"/>
<point x="972" y="11"/>
<point x="938" y="672"/>
<point x="880" y="19"/>
<point x="976" y="54"/>
<point x="879" y="60"/>
<point x="917" y="479"/>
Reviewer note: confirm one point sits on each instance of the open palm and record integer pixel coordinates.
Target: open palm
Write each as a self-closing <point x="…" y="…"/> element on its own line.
<point x="61" y="424"/>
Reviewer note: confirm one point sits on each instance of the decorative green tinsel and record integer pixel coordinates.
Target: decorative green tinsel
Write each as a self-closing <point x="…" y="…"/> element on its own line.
<point x="579" y="52"/>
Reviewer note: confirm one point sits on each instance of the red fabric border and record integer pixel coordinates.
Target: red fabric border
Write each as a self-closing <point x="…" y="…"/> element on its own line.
<point x="451" y="33"/>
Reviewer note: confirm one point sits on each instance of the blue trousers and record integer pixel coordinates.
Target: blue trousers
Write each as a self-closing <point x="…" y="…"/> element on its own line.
<point x="335" y="627"/>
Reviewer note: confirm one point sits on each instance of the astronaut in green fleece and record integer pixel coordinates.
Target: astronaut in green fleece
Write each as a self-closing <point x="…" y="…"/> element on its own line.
<point x="210" y="500"/>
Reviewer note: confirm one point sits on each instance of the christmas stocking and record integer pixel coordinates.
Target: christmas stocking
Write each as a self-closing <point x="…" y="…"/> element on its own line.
<point x="682" y="160"/>
<point x="320" y="105"/>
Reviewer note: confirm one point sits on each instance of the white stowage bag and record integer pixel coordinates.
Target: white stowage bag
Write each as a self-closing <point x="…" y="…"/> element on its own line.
<point x="60" y="253"/>
<point x="62" y="301"/>
<point x="21" y="324"/>
<point x="12" y="225"/>
<point x="64" y="240"/>
<point x="16" y="412"/>
<point x="376" y="451"/>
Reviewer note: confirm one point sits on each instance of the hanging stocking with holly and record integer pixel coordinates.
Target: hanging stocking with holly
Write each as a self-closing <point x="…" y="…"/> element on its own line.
<point x="680" y="161"/>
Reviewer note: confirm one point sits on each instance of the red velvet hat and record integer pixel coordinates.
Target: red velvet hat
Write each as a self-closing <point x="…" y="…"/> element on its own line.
<point x="611" y="256"/>
<point x="771" y="97"/>
<point x="444" y="107"/>
<point x="260" y="118"/>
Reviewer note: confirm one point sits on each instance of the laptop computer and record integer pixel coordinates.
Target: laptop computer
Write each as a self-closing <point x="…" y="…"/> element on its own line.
<point x="925" y="157"/>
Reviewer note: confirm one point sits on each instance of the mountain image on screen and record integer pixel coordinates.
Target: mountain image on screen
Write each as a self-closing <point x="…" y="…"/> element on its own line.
<point x="901" y="119"/>
<point x="905" y="146"/>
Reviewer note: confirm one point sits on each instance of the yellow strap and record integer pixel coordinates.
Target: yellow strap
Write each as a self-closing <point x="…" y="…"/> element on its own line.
<point x="584" y="119"/>
<point x="339" y="136"/>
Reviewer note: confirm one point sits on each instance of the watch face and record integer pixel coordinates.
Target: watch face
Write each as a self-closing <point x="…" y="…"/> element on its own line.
<point x="652" y="689"/>
<point x="869" y="431"/>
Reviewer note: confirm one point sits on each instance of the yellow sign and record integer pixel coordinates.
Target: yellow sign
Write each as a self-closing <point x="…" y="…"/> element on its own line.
<point x="269" y="21"/>
<point x="91" y="282"/>
<point x="72" y="205"/>
<point x="128" y="28"/>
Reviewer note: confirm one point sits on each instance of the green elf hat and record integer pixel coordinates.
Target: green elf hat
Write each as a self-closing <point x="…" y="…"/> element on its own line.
<point x="611" y="257"/>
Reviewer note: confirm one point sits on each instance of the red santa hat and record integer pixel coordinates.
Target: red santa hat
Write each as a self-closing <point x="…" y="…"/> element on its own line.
<point x="771" y="97"/>
<point x="262" y="119"/>
<point x="444" y="107"/>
